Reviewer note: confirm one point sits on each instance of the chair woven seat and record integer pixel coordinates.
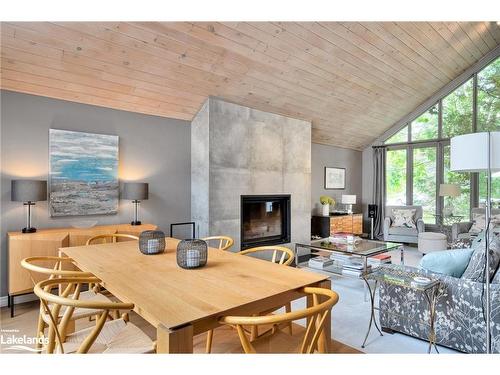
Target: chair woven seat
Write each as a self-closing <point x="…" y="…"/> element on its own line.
<point x="117" y="336"/>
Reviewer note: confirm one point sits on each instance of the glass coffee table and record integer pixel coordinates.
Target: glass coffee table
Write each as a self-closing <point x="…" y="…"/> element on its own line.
<point x="360" y="248"/>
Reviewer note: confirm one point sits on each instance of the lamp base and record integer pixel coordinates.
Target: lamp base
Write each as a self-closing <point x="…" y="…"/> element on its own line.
<point x="135" y="223"/>
<point x="29" y="230"/>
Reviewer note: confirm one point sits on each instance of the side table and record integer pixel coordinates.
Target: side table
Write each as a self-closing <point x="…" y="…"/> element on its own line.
<point x="406" y="280"/>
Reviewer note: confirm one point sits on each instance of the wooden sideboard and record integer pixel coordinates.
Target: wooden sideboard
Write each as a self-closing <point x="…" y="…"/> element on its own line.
<point x="48" y="242"/>
<point x="325" y="226"/>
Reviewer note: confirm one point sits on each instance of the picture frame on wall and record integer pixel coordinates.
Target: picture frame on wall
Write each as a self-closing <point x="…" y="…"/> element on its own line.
<point x="334" y="178"/>
<point x="83" y="173"/>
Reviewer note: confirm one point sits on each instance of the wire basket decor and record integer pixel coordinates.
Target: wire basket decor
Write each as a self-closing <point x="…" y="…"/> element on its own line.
<point x="192" y="253"/>
<point x="152" y="242"/>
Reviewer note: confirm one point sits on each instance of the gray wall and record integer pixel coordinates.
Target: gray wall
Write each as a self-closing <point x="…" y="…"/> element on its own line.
<point x="331" y="156"/>
<point x="247" y="151"/>
<point x="152" y="149"/>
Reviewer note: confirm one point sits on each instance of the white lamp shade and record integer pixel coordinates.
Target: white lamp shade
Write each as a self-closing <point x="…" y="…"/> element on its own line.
<point x="449" y="190"/>
<point x="348" y="199"/>
<point x="469" y="152"/>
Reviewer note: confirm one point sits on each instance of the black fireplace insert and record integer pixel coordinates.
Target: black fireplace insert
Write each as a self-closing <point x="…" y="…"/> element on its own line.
<point x="265" y="220"/>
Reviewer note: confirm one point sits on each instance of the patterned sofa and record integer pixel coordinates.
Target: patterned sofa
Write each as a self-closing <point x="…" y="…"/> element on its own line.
<point x="460" y="322"/>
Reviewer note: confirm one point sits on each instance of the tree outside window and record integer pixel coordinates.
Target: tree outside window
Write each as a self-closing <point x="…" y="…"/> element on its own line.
<point x="457" y="111"/>
<point x="488" y="97"/>
<point x="425" y="126"/>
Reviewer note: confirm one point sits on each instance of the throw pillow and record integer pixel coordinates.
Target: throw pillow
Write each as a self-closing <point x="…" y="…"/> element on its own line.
<point x="475" y="268"/>
<point x="404" y="218"/>
<point x="478" y="222"/>
<point x="447" y="262"/>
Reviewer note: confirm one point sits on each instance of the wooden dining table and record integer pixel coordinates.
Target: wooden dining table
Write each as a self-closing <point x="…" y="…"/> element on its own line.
<point x="182" y="303"/>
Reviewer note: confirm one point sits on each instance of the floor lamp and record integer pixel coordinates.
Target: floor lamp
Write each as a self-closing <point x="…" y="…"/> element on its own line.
<point x="479" y="152"/>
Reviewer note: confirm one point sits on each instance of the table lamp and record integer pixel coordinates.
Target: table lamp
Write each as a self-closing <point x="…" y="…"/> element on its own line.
<point x="478" y="152"/>
<point x="449" y="190"/>
<point x="28" y="192"/>
<point x="136" y="192"/>
<point x="348" y="200"/>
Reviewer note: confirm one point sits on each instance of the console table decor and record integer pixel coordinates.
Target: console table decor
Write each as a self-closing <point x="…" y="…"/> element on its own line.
<point x="47" y="242"/>
<point x="325" y="226"/>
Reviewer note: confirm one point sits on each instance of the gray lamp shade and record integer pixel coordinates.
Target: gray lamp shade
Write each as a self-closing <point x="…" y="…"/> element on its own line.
<point x="28" y="190"/>
<point x="135" y="191"/>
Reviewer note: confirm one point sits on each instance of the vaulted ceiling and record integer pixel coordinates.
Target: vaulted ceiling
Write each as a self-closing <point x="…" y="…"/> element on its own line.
<point x="353" y="80"/>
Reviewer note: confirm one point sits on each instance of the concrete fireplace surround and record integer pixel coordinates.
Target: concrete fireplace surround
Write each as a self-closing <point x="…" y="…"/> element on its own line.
<point x="236" y="150"/>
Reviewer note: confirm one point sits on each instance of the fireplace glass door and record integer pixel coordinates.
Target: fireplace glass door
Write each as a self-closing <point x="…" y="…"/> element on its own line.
<point x="265" y="220"/>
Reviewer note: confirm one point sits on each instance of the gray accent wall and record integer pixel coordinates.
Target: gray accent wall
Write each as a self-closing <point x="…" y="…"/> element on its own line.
<point x="236" y="150"/>
<point x="152" y="149"/>
<point x="331" y="156"/>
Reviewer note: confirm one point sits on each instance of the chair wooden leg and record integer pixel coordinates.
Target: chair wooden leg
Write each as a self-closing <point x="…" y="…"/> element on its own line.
<point x="254" y="333"/>
<point x="210" y="336"/>
<point x="39" y="332"/>
<point x="288" y="308"/>
<point x="52" y="340"/>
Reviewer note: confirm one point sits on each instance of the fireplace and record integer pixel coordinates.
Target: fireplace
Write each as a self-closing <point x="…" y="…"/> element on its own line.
<point x="265" y="220"/>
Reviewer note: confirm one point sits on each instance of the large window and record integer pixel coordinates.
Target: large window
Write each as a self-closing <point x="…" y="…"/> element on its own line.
<point x="396" y="177"/>
<point x="424" y="181"/>
<point x="457" y="111"/>
<point x="488" y="97"/>
<point x="400" y="136"/>
<point x="495" y="189"/>
<point x="488" y="118"/>
<point x="418" y="156"/>
<point x="426" y="125"/>
<point x="460" y="205"/>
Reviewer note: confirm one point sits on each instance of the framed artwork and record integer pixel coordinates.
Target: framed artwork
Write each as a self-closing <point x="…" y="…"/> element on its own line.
<point x="334" y="178"/>
<point x="83" y="173"/>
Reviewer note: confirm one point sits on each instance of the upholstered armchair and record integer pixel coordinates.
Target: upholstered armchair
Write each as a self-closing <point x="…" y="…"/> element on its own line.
<point x="461" y="230"/>
<point x="402" y="234"/>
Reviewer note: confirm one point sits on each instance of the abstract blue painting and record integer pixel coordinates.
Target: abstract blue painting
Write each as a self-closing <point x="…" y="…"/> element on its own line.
<point x="83" y="173"/>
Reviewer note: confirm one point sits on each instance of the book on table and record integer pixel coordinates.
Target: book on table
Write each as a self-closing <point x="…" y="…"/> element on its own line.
<point x="320" y="262"/>
<point x="354" y="272"/>
<point x="380" y="259"/>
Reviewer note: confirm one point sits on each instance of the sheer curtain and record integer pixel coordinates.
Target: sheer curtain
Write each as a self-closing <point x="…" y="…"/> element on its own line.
<point x="379" y="190"/>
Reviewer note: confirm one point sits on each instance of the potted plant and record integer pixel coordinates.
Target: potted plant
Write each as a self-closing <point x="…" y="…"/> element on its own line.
<point x="326" y="201"/>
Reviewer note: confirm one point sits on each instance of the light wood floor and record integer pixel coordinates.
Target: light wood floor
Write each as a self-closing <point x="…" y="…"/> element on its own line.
<point x="225" y="339"/>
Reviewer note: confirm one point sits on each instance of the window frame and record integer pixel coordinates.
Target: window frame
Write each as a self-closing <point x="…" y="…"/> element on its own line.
<point x="440" y="142"/>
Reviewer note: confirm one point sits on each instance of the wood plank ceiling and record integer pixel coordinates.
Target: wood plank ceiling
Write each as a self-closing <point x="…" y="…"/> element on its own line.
<point x="353" y="80"/>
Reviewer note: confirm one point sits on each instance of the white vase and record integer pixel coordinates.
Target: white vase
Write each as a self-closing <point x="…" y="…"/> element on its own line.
<point x="326" y="209"/>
